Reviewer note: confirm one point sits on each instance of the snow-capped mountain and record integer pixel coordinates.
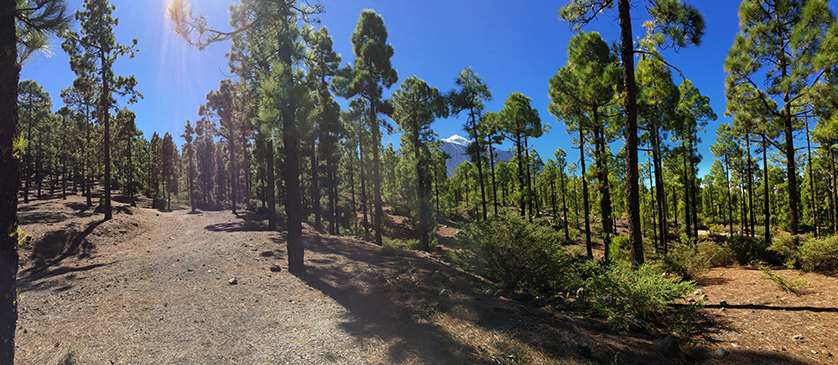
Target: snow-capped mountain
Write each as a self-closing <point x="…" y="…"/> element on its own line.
<point x="456" y="147"/>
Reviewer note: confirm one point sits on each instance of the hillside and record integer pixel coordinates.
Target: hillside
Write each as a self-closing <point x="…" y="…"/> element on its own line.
<point x="174" y="287"/>
<point x="456" y="147"/>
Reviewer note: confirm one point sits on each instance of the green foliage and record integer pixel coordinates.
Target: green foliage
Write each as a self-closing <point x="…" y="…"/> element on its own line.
<point x="509" y="249"/>
<point x="747" y="249"/>
<point x="795" y="285"/>
<point x="717" y="256"/>
<point x="619" y="249"/>
<point x="687" y="262"/>
<point x="69" y="357"/>
<point x="627" y="296"/>
<point x="814" y="254"/>
<point x="406" y="244"/>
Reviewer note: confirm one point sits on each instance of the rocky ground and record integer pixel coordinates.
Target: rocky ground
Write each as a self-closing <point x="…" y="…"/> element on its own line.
<point x="176" y="287"/>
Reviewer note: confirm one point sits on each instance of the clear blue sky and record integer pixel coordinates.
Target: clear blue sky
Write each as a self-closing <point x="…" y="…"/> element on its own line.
<point x="513" y="46"/>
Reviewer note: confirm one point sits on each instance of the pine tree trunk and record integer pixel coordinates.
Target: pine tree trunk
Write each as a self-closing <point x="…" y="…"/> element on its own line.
<point x="364" y="199"/>
<point x="729" y="198"/>
<point x="660" y="190"/>
<point x="10" y="183"/>
<point x="834" y="190"/>
<point x="604" y="188"/>
<point x="812" y="192"/>
<point x="315" y="188"/>
<point x="529" y="194"/>
<point x="105" y="113"/>
<point x="376" y="177"/>
<point x="632" y="193"/>
<point x="477" y="140"/>
<point x="422" y="194"/>
<point x="494" y="185"/>
<point x="271" y="184"/>
<point x="750" y="182"/>
<point x="28" y="172"/>
<point x="564" y="208"/>
<point x="588" y="248"/>
<point x="521" y="201"/>
<point x="687" y="183"/>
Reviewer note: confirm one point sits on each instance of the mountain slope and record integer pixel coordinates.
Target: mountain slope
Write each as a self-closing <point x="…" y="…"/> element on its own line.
<point x="456" y="147"/>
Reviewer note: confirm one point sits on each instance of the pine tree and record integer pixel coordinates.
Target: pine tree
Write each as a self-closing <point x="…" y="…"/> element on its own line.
<point x="416" y="105"/>
<point x="470" y="98"/>
<point x="782" y="49"/>
<point x="95" y="48"/>
<point x="370" y="73"/>
<point x="34" y="16"/>
<point x="672" y="21"/>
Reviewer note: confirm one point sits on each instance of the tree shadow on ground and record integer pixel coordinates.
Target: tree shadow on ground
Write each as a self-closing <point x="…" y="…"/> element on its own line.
<point x="34" y="279"/>
<point x="374" y="316"/>
<point x="41" y="217"/>
<point x="397" y="300"/>
<point x="58" y="245"/>
<point x="247" y="222"/>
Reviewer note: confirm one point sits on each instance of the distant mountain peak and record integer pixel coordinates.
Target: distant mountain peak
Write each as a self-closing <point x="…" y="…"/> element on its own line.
<point x="458" y="140"/>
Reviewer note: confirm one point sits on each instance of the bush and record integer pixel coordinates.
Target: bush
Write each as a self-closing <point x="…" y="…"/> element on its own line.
<point x="619" y="249"/>
<point x="819" y="254"/>
<point x="717" y="256"/>
<point x="747" y="249"/>
<point x="627" y="296"/>
<point x="814" y="254"/>
<point x="688" y="263"/>
<point x="509" y="249"/>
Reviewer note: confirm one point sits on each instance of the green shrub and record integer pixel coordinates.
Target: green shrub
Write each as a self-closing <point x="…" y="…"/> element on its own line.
<point x="509" y="249"/>
<point x="716" y="255"/>
<point x="627" y="296"/>
<point x="819" y="254"/>
<point x="687" y="262"/>
<point x="795" y="285"/>
<point x="747" y="249"/>
<point x="814" y="254"/>
<point x="784" y="247"/>
<point x="619" y="249"/>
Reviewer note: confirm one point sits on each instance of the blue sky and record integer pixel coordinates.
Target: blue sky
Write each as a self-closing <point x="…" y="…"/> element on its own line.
<point x="513" y="46"/>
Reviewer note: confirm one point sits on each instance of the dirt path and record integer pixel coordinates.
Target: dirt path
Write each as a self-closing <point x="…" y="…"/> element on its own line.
<point x="161" y="295"/>
<point x="152" y="287"/>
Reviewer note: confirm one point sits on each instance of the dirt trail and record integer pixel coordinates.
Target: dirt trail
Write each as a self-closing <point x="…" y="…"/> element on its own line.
<point x="153" y="287"/>
<point x="162" y="296"/>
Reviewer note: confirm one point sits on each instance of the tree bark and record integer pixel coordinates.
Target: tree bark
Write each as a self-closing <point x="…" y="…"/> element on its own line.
<point x="376" y="174"/>
<point x="750" y="182"/>
<point x="494" y="185"/>
<point x="315" y="188"/>
<point x="629" y="83"/>
<point x="604" y="188"/>
<point x="10" y="183"/>
<point x="588" y="248"/>
<point x="105" y="113"/>
<point x="270" y="190"/>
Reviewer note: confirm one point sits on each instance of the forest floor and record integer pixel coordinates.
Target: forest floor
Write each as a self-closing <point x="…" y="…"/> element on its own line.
<point x="176" y="287"/>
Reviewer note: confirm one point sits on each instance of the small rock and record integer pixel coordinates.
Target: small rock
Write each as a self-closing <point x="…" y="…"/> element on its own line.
<point x="488" y="292"/>
<point x="668" y="346"/>
<point x="797" y="337"/>
<point x="444" y="293"/>
<point x="233" y="281"/>
<point x="57" y="344"/>
<point x="584" y="349"/>
<point x="276" y="268"/>
<point x="723" y="303"/>
<point x="721" y="352"/>
<point x="189" y="270"/>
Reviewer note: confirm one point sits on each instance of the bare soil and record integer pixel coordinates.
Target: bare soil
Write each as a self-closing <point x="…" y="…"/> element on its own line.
<point x="177" y="287"/>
